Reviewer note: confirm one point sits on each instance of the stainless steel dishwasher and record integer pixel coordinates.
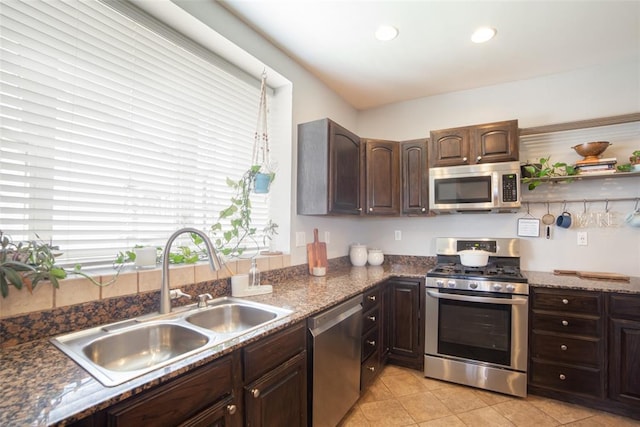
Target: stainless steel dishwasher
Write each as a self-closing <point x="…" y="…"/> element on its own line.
<point x="335" y="358"/>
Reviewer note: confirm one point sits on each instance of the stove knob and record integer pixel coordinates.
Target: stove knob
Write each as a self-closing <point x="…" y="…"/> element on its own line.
<point x="439" y="283"/>
<point x="451" y="283"/>
<point x="511" y="288"/>
<point x="497" y="287"/>
<point x="473" y="285"/>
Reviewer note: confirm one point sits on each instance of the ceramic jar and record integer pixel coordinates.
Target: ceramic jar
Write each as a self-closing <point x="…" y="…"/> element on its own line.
<point x="358" y="255"/>
<point x="375" y="257"/>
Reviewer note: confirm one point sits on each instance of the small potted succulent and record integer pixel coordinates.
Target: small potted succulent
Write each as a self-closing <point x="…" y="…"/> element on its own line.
<point x="633" y="165"/>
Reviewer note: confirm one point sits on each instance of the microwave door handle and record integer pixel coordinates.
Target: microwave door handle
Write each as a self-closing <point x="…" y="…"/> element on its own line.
<point x="489" y="300"/>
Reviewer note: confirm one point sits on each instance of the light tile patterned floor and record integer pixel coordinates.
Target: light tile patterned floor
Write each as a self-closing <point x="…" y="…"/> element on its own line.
<point x="403" y="397"/>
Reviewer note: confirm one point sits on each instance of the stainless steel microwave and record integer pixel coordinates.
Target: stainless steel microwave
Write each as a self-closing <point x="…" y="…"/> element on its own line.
<point x="488" y="187"/>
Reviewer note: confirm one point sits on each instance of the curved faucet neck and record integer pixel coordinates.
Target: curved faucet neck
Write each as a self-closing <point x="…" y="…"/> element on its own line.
<point x="214" y="263"/>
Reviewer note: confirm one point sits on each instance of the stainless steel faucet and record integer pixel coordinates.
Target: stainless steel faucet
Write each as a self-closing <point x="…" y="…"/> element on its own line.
<point x="214" y="262"/>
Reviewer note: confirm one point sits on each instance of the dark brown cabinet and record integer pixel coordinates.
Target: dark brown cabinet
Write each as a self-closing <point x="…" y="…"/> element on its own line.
<point x="566" y="341"/>
<point x="275" y="377"/>
<point x="414" y="193"/>
<point x="405" y="305"/>
<point x="624" y="350"/>
<point x="372" y="324"/>
<point x="585" y="347"/>
<point x="207" y="396"/>
<point x="382" y="177"/>
<point x="485" y="143"/>
<point x="329" y="169"/>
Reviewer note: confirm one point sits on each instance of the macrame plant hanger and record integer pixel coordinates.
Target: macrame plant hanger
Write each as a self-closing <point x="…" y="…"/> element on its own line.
<point x="260" y="159"/>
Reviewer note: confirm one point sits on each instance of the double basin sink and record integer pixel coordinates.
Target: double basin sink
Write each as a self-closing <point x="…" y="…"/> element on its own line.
<point x="121" y="351"/>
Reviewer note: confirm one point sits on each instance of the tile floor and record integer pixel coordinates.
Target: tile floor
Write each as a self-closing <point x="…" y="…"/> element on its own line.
<point x="403" y="397"/>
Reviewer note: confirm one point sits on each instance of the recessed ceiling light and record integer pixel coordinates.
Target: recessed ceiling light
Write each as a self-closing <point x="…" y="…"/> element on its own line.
<point x="386" y="32"/>
<point x="483" y="34"/>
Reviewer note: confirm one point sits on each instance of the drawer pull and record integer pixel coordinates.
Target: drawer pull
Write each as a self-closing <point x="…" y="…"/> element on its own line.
<point x="255" y="393"/>
<point x="563" y="347"/>
<point x="565" y="301"/>
<point x="565" y="323"/>
<point x="372" y="318"/>
<point x="371" y="343"/>
<point x="371" y="368"/>
<point x="372" y="297"/>
<point x="231" y="409"/>
<point x="562" y="377"/>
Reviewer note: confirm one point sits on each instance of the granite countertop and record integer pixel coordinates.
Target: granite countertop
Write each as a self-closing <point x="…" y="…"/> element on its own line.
<point x="548" y="279"/>
<point x="42" y="386"/>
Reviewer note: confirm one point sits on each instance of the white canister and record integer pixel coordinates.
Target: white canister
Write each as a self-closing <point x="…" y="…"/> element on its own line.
<point x="375" y="257"/>
<point x="358" y="255"/>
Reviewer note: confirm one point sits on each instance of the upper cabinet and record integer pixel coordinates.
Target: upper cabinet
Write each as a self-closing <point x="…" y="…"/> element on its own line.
<point x="415" y="177"/>
<point x="329" y="169"/>
<point x="382" y="177"/>
<point x="486" y="143"/>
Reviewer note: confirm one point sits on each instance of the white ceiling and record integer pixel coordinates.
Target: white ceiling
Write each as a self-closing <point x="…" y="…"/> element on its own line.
<point x="433" y="53"/>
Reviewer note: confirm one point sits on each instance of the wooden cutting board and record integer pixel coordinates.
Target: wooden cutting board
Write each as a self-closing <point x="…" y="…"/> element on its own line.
<point x="316" y="252"/>
<point x="594" y="275"/>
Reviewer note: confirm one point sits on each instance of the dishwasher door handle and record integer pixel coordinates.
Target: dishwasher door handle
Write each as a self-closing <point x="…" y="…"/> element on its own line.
<point x="335" y="320"/>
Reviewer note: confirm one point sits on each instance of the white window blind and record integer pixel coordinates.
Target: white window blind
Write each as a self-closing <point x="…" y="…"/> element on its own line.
<point x="111" y="134"/>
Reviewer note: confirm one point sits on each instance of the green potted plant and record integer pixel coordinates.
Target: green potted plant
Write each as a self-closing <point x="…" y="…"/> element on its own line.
<point x="241" y="235"/>
<point x="633" y="165"/>
<point x="535" y="173"/>
<point x="26" y="264"/>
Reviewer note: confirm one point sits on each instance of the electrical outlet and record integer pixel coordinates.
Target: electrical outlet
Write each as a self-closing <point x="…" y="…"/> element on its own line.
<point x="301" y="239"/>
<point x="327" y="237"/>
<point x="582" y="238"/>
<point x="398" y="235"/>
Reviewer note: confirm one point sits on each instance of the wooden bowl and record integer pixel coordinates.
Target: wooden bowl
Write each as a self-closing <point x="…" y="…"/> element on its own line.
<point x="591" y="150"/>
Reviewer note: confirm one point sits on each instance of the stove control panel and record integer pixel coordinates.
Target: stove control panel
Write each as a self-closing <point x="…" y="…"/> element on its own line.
<point x="478" y="285"/>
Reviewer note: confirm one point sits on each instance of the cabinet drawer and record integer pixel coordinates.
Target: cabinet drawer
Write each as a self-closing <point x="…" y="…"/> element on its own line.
<point x="567" y="301"/>
<point x="370" y="320"/>
<point x="624" y="306"/>
<point x="567" y="324"/>
<point x="371" y="299"/>
<point x="270" y="352"/>
<point x="579" y="351"/>
<point x="370" y="343"/>
<point x="368" y="371"/>
<point x="179" y="400"/>
<point x="566" y="378"/>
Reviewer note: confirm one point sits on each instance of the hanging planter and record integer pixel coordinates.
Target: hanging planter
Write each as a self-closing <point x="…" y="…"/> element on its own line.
<point x="265" y="169"/>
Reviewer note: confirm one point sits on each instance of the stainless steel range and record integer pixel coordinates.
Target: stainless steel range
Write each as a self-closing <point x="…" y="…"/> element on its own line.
<point x="476" y="317"/>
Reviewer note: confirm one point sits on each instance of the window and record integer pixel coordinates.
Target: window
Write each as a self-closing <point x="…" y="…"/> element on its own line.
<point x="112" y="134"/>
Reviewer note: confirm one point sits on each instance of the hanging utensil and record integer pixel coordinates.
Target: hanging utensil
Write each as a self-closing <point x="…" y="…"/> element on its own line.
<point x="548" y="219"/>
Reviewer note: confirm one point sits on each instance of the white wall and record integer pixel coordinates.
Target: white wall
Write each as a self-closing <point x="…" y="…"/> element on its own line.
<point x="583" y="94"/>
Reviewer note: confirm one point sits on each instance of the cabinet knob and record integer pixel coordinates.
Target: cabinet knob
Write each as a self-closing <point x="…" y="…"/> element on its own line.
<point x="372" y="318"/>
<point x="423" y="210"/>
<point x="565" y="323"/>
<point x="563" y="347"/>
<point x="372" y="297"/>
<point x="372" y="343"/>
<point x="565" y="301"/>
<point x="464" y="159"/>
<point x="562" y="377"/>
<point x="478" y="158"/>
<point x="359" y="209"/>
<point x="370" y="209"/>
<point x="255" y="392"/>
<point x="231" y="409"/>
<point x="371" y="368"/>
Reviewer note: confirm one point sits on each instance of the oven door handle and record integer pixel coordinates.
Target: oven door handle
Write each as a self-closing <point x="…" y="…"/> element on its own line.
<point x="489" y="300"/>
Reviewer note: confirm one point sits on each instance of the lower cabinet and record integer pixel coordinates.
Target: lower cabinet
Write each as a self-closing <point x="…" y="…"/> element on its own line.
<point x="275" y="379"/>
<point x="372" y="324"/>
<point x="206" y="396"/>
<point x="405" y="307"/>
<point x="624" y="350"/>
<point x="585" y="348"/>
